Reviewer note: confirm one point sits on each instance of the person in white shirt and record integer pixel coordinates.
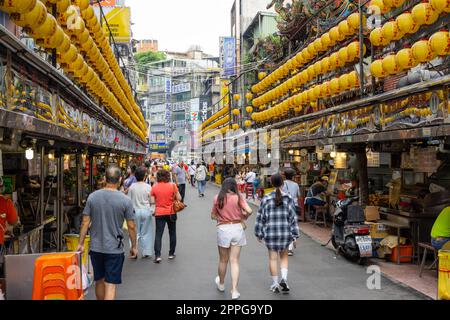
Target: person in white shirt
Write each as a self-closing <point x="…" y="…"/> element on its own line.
<point x="291" y="188"/>
<point x="191" y="170"/>
<point x="250" y="181"/>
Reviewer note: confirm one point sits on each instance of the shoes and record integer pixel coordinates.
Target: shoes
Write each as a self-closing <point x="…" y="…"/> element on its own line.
<point x="171" y="257"/>
<point x="235" y="295"/>
<point x="157" y="260"/>
<point x="220" y="287"/>
<point x="275" y="288"/>
<point x="146" y="256"/>
<point x="290" y="253"/>
<point x="284" y="286"/>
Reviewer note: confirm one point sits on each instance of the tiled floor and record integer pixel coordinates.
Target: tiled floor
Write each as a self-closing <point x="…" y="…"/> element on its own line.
<point x="406" y="274"/>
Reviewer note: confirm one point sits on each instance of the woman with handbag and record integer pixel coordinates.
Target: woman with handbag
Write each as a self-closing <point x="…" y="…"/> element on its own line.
<point x="230" y="210"/>
<point x="277" y="227"/>
<point x="167" y="202"/>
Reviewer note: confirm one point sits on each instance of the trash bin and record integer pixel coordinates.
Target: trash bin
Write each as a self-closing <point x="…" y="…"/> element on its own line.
<point x="72" y="244"/>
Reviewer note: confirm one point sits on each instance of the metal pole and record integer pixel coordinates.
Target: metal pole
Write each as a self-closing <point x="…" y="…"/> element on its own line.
<point x="91" y="173"/>
<point x="42" y="201"/>
<point x="58" y="202"/>
<point x="79" y="179"/>
<point x="361" y="48"/>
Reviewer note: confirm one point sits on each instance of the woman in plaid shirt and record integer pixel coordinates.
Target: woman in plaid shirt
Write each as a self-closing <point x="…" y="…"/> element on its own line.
<point x="276" y="226"/>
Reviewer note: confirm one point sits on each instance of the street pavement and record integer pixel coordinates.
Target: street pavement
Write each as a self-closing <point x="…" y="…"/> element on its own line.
<point x="314" y="271"/>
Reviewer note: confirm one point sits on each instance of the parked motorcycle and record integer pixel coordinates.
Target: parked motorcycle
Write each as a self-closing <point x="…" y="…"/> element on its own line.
<point x="350" y="235"/>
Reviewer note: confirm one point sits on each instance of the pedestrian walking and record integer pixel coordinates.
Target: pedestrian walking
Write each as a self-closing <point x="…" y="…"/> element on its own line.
<point x="163" y="195"/>
<point x="192" y="169"/>
<point x="292" y="188"/>
<point x="230" y="210"/>
<point x="131" y="170"/>
<point x="139" y="194"/>
<point x="276" y="226"/>
<point x="180" y="175"/>
<point x="200" y="176"/>
<point x="250" y="179"/>
<point x="104" y="214"/>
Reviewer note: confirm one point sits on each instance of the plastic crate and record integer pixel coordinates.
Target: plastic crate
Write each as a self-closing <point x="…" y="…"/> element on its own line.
<point x="405" y="250"/>
<point x="444" y="275"/>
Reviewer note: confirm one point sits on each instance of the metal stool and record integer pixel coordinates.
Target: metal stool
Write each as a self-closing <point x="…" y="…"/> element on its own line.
<point x="425" y="247"/>
<point x="321" y="210"/>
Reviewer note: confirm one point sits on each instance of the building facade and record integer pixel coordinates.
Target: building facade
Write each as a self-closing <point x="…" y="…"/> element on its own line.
<point x="146" y="45"/>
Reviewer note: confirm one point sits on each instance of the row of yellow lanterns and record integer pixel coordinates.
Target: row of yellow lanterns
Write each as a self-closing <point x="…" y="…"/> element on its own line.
<point x="406" y="23"/>
<point x="217" y="124"/>
<point x="327" y="89"/>
<point x="44" y="28"/>
<point x="336" y="34"/>
<point x="330" y="63"/>
<point x="421" y="51"/>
<point x="214" y="117"/>
<point x="385" y="6"/>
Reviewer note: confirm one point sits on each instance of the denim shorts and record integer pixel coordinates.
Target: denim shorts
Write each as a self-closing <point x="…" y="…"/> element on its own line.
<point x="107" y="266"/>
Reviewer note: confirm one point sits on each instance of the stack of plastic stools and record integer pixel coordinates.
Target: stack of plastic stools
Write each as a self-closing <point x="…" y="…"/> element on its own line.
<point x="249" y="191"/>
<point x="57" y="277"/>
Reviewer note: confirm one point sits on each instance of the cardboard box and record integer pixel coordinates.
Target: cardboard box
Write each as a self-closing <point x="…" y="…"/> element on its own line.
<point x="372" y="213"/>
<point x="377" y="230"/>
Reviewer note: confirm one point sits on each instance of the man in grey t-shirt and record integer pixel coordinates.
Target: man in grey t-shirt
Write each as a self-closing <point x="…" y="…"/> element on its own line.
<point x="180" y="176"/>
<point x="105" y="212"/>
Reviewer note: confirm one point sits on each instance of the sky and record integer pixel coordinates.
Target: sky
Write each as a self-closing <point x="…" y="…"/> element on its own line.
<point x="178" y="24"/>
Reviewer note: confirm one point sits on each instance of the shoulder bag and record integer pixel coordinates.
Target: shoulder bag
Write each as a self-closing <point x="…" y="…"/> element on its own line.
<point x="177" y="205"/>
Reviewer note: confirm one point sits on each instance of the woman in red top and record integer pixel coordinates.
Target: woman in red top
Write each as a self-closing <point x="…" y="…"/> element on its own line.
<point x="163" y="194"/>
<point x="230" y="210"/>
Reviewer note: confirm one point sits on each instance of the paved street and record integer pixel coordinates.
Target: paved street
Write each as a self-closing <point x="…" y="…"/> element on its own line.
<point x="314" y="272"/>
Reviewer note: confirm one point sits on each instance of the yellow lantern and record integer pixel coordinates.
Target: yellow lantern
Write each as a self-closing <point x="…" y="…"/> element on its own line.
<point x="353" y="21"/>
<point x="390" y="31"/>
<point x="378" y="6"/>
<point x="236" y="97"/>
<point x="325" y="90"/>
<point x="377" y="39"/>
<point x="353" y="50"/>
<point x="306" y="55"/>
<point x="440" y="5"/>
<point x="18" y="6"/>
<point x="318" y="45"/>
<point x="311" y="73"/>
<point x="82" y="4"/>
<point x="406" y="24"/>
<point x="299" y="59"/>
<point x="236" y="112"/>
<point x="325" y="65"/>
<point x="65" y="45"/>
<point x="344" y="28"/>
<point x="343" y="54"/>
<point x="334" y="86"/>
<point x="343" y="82"/>
<point x="396" y="3"/>
<point x="423" y="13"/>
<point x="353" y="80"/>
<point x="304" y="77"/>
<point x="311" y="95"/>
<point x="317" y="68"/>
<point x="247" y="123"/>
<point x="336" y="61"/>
<point x="311" y="50"/>
<point x="440" y="43"/>
<point x="47" y="29"/>
<point x="326" y="41"/>
<point x="422" y="52"/>
<point x="405" y="59"/>
<point x="261" y="75"/>
<point x="70" y="55"/>
<point x="249" y="96"/>
<point x="376" y="69"/>
<point x="317" y="91"/>
<point x="235" y="126"/>
<point x="34" y="18"/>
<point x="390" y="65"/>
<point x="335" y="36"/>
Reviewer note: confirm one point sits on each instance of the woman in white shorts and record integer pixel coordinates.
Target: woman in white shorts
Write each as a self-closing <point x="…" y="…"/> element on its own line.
<point x="230" y="210"/>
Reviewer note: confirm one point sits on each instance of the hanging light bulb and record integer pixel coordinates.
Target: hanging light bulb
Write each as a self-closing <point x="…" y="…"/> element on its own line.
<point x="333" y="154"/>
<point x="29" y="153"/>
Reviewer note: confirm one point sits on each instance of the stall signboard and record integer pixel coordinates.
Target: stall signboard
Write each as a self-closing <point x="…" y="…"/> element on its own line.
<point x="182" y="87"/>
<point x="181" y="106"/>
<point x="224" y="93"/>
<point x="158" y="146"/>
<point x="119" y="21"/>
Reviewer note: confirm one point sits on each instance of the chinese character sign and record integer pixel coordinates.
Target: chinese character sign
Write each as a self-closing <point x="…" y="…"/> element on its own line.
<point x="228" y="55"/>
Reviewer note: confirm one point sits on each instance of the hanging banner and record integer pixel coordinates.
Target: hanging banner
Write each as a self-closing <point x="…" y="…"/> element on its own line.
<point x="119" y="21"/>
<point x="228" y="56"/>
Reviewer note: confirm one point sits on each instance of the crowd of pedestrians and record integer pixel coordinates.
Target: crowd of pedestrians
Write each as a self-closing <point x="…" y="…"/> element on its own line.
<point x="143" y="203"/>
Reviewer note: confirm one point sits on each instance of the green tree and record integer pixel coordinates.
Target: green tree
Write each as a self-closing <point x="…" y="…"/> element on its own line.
<point x="143" y="59"/>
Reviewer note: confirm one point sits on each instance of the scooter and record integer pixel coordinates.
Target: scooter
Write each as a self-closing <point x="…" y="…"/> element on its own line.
<point x="350" y="235"/>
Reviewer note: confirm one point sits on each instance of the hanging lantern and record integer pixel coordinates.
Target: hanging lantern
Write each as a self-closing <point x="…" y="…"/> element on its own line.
<point x="343" y="54"/>
<point x="343" y="82"/>
<point x="317" y="68"/>
<point x="236" y="112"/>
<point x="235" y="126"/>
<point x="344" y="28"/>
<point x="18" y="6"/>
<point x="353" y="50"/>
<point x="440" y="5"/>
<point x="317" y="91"/>
<point x="248" y="96"/>
<point x="377" y="39"/>
<point x="311" y="73"/>
<point x="47" y="29"/>
<point x="389" y="64"/>
<point x="422" y="52"/>
<point x="325" y="90"/>
<point x="423" y="13"/>
<point x="248" y="123"/>
<point x="261" y="75"/>
<point x="440" y="43"/>
<point x="353" y="80"/>
<point x="378" y="6"/>
<point x="405" y="59"/>
<point x="406" y="24"/>
<point x="306" y="55"/>
<point x="32" y="19"/>
<point x="336" y="61"/>
<point x="326" y="41"/>
<point x="236" y="97"/>
<point x="318" y="45"/>
<point x="334" y="86"/>
<point x="376" y="69"/>
<point x="390" y="31"/>
<point x="325" y="65"/>
<point x="396" y="3"/>
<point x="353" y="21"/>
<point x="311" y="50"/>
<point x="299" y="59"/>
<point x="335" y="36"/>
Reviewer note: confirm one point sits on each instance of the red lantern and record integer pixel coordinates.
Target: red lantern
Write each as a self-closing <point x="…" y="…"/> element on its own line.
<point x="116" y="140"/>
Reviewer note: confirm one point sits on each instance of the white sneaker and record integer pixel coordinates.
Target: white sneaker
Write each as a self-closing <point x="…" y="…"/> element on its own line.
<point x="275" y="288"/>
<point x="235" y="295"/>
<point x="220" y="287"/>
